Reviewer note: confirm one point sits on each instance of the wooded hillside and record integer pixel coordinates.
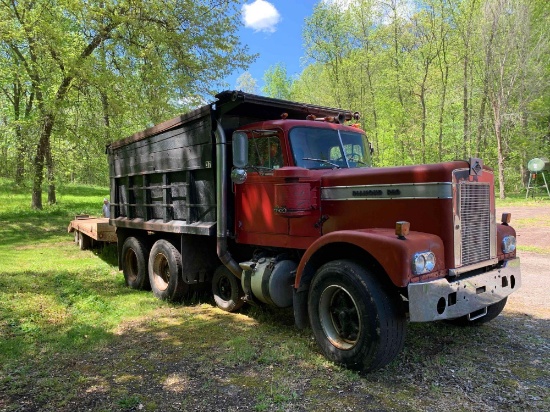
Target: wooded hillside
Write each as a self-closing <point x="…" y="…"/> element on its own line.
<point x="76" y="75"/>
<point x="434" y="80"/>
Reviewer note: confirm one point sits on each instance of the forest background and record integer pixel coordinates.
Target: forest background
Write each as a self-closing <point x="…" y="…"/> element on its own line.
<point x="434" y="80"/>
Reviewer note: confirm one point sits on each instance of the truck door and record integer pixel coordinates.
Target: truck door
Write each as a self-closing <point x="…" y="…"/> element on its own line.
<point x="256" y="221"/>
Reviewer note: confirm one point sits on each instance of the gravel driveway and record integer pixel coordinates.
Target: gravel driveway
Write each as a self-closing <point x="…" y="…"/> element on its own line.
<point x="532" y="225"/>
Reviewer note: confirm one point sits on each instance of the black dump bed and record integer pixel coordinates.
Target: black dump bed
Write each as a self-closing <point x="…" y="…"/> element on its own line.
<point x="164" y="177"/>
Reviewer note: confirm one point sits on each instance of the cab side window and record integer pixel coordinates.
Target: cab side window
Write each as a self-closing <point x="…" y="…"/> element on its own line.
<point x="265" y="152"/>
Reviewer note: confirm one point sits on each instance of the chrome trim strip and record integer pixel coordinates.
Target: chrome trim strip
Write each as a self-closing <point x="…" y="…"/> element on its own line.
<point x="434" y="190"/>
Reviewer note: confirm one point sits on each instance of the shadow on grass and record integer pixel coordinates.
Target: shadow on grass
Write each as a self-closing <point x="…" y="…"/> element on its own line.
<point x="32" y="230"/>
<point x="58" y="310"/>
<point x="202" y="359"/>
<point x="9" y="187"/>
<point x="106" y="252"/>
<point x="161" y="349"/>
<point x="21" y="225"/>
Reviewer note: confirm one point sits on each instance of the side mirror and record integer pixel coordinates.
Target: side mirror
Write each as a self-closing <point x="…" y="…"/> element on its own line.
<point x="240" y="150"/>
<point x="238" y="176"/>
<point x="240" y="157"/>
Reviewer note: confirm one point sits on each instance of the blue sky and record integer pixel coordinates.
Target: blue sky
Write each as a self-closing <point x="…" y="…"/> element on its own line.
<point x="273" y="29"/>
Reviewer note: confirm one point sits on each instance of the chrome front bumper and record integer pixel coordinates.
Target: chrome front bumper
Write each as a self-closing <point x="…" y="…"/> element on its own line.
<point x="440" y="299"/>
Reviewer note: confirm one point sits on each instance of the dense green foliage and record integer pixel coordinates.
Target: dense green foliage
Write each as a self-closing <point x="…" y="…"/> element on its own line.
<point x="76" y="75"/>
<point x="435" y="80"/>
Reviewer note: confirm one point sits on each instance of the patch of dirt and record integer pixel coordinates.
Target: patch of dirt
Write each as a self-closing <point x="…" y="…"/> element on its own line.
<point x="532" y="226"/>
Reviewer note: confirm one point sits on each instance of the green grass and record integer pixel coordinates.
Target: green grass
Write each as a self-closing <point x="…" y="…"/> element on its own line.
<point x="534" y="249"/>
<point x="74" y="337"/>
<point x="518" y="199"/>
<point x="53" y="296"/>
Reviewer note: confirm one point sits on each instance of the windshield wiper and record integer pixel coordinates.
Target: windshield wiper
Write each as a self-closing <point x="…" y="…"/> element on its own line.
<point x="334" y="165"/>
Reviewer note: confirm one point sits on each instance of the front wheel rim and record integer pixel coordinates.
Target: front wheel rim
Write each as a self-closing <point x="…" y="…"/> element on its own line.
<point x="339" y="317"/>
<point x="224" y="288"/>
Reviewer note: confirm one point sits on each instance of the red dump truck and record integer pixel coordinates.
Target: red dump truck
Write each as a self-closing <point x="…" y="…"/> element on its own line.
<point x="276" y="203"/>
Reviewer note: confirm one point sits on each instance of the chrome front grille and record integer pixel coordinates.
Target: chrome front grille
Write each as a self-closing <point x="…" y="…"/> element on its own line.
<point x="475" y="222"/>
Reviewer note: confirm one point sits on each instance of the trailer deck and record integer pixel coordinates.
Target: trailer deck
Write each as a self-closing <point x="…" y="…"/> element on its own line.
<point x="88" y="230"/>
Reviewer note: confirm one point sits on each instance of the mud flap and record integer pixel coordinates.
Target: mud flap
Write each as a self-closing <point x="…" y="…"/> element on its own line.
<point x="299" y="304"/>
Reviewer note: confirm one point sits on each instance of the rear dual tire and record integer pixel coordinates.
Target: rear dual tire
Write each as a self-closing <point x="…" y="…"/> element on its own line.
<point x="135" y="256"/>
<point x="165" y="272"/>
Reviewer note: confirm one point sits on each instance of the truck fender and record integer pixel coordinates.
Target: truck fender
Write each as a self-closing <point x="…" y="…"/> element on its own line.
<point x="393" y="254"/>
<point x="502" y="231"/>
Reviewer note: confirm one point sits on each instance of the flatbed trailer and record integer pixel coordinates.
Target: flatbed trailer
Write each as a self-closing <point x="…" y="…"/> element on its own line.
<point x="88" y="230"/>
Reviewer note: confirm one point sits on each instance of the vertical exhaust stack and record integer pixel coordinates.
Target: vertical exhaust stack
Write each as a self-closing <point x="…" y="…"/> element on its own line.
<point x="221" y="203"/>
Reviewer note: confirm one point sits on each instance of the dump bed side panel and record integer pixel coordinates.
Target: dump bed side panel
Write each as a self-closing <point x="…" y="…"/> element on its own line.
<point x="164" y="180"/>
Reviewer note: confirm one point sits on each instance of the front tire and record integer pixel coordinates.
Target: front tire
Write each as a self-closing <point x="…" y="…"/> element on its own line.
<point x="165" y="272"/>
<point x="134" y="264"/>
<point x="227" y="290"/>
<point x="492" y="312"/>
<point x="355" y="321"/>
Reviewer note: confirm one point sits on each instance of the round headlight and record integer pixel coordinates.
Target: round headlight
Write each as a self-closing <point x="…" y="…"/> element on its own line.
<point x="423" y="262"/>
<point x="508" y="244"/>
<point x="419" y="263"/>
<point x="430" y="261"/>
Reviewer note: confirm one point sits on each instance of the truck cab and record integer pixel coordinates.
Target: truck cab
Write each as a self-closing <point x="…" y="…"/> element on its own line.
<point x="425" y="235"/>
<point x="279" y="204"/>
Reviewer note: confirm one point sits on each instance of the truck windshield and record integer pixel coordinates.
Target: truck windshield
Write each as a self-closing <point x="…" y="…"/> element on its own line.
<point x="315" y="148"/>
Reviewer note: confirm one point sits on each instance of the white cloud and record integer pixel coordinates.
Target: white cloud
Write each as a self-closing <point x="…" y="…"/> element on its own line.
<point x="261" y="15"/>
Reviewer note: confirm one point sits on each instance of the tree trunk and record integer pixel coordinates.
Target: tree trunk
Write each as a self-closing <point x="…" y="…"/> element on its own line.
<point x="50" y="175"/>
<point x="20" y="162"/>
<point x="4" y="171"/>
<point x="424" y="110"/>
<point x="465" y="109"/>
<point x="19" y="165"/>
<point x="22" y="144"/>
<point x="106" y="117"/>
<point x="374" y="111"/>
<point x="481" y="120"/>
<point x="41" y="150"/>
<point x="444" y="80"/>
<point x="500" y="149"/>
